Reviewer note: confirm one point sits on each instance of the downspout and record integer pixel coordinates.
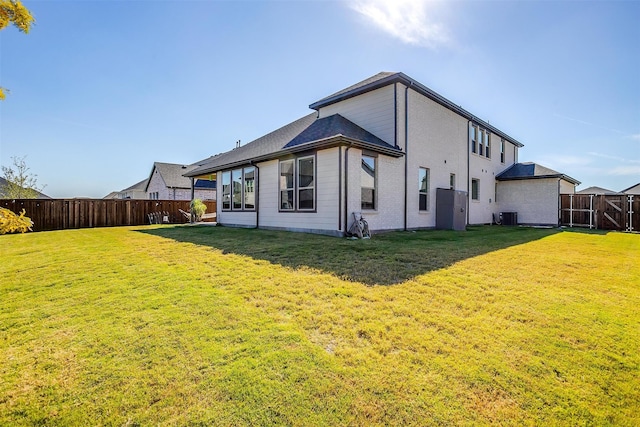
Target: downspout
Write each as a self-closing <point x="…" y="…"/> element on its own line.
<point x="346" y="188"/>
<point x="406" y="154"/>
<point x="340" y="189"/>
<point x="193" y="194"/>
<point x="468" y="150"/>
<point x="559" y="212"/>
<point x="257" y="191"/>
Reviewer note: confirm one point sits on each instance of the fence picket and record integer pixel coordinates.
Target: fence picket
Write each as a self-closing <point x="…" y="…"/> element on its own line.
<point x="60" y="214"/>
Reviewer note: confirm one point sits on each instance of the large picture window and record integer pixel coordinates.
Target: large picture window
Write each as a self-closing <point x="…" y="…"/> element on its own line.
<point x="423" y="189"/>
<point x="368" y="183"/>
<point x="238" y="189"/>
<point x="473" y="137"/>
<point x="298" y="184"/>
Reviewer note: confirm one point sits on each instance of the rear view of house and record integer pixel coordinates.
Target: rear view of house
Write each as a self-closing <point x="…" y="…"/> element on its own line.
<point x="381" y="147"/>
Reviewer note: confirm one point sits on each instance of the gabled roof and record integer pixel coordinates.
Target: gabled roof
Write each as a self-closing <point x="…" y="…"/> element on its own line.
<point x="530" y="170"/>
<point x="305" y="133"/>
<point x="634" y="187"/>
<point x="596" y="190"/>
<point x="387" y="78"/>
<point x="172" y="174"/>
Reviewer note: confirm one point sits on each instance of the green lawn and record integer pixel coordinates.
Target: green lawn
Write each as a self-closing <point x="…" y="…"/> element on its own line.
<point x="217" y="326"/>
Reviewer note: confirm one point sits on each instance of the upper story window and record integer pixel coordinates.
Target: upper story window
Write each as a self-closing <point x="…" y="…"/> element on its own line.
<point x="452" y="181"/>
<point x="480" y="140"/>
<point x="238" y="189"/>
<point x="502" y="151"/>
<point x="297" y="184"/>
<point x="473" y="137"/>
<point x="368" y="182"/>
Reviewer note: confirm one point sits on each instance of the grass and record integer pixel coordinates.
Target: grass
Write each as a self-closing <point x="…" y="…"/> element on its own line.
<point x="218" y="326"/>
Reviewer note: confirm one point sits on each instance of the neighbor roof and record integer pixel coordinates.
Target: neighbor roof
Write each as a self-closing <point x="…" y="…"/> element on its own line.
<point x="386" y="78"/>
<point x="142" y="185"/>
<point x="530" y="170"/>
<point x="172" y="174"/>
<point x="596" y="190"/>
<point x="305" y="133"/>
<point x="4" y="183"/>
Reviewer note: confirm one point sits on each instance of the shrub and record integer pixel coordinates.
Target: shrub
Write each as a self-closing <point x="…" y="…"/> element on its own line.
<point x="13" y="223"/>
<point x="198" y="208"/>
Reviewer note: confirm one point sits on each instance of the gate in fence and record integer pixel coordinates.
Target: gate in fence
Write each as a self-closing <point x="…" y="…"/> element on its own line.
<point x="603" y="212"/>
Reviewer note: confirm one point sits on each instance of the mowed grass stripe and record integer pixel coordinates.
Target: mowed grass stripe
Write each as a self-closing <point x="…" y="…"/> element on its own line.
<point x="187" y="326"/>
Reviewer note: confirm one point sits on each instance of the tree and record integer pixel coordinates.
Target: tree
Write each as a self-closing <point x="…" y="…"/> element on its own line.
<point x="14" y="12"/>
<point x="20" y="183"/>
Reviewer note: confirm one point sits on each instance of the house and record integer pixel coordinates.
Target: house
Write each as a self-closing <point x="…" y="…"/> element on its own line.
<point x="4" y="184"/>
<point x="633" y="190"/>
<point x="597" y="191"/>
<point x="167" y="182"/>
<point x="136" y="191"/>
<point x="381" y="147"/>
<point x="533" y="191"/>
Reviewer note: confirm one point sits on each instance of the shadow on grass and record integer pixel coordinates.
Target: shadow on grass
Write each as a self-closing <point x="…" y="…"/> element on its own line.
<point x="385" y="259"/>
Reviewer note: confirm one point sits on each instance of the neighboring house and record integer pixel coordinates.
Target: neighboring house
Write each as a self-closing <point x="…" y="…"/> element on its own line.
<point x="4" y="183"/>
<point x="597" y="191"/>
<point x="532" y="191"/>
<point x="136" y="191"/>
<point x="381" y="147"/>
<point x="633" y="190"/>
<point x="167" y="182"/>
<point x="112" y="195"/>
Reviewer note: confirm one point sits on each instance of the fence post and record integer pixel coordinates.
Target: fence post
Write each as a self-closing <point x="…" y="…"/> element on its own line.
<point x="630" y="200"/>
<point x="590" y="211"/>
<point x="571" y="210"/>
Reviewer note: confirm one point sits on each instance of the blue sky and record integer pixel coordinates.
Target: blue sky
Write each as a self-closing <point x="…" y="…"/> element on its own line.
<point x="99" y="90"/>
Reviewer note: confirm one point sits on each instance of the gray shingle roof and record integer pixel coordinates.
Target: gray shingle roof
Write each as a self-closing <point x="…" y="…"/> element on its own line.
<point x="172" y="174"/>
<point x="138" y="186"/>
<point x="332" y="126"/>
<point x="294" y="137"/>
<point x="530" y="170"/>
<point x="386" y="78"/>
<point x="596" y="190"/>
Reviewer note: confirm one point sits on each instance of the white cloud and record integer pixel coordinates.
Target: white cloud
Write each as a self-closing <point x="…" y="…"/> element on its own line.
<point x="636" y="136"/>
<point x="411" y="21"/>
<point x="610" y="157"/>
<point x="631" y="170"/>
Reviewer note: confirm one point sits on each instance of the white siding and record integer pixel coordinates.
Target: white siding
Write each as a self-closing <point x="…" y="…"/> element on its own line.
<point x="324" y="219"/>
<point x="535" y="200"/>
<point x="437" y="141"/>
<point x="566" y="187"/>
<point x="373" y="111"/>
<point x="389" y="212"/>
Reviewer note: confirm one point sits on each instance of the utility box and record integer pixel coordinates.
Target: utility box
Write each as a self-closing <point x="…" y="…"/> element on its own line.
<point x="509" y="218"/>
<point x="451" y="209"/>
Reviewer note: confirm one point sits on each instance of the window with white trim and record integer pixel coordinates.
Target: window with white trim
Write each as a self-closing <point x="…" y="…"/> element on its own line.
<point x="249" y="188"/>
<point x="423" y="189"/>
<point x="226" y="191"/>
<point x="502" y="151"/>
<point x="368" y="182"/>
<point x="487" y="144"/>
<point x="297" y="184"/>
<point x="452" y="181"/>
<point x="481" y="135"/>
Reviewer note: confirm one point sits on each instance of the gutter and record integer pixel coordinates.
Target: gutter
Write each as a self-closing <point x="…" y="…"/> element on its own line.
<point x="257" y="188"/>
<point x="332" y="141"/>
<point x="406" y="154"/>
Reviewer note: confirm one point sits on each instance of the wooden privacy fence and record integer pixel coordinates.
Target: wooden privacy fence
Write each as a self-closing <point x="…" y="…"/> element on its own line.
<point x="60" y="214"/>
<point x="603" y="212"/>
